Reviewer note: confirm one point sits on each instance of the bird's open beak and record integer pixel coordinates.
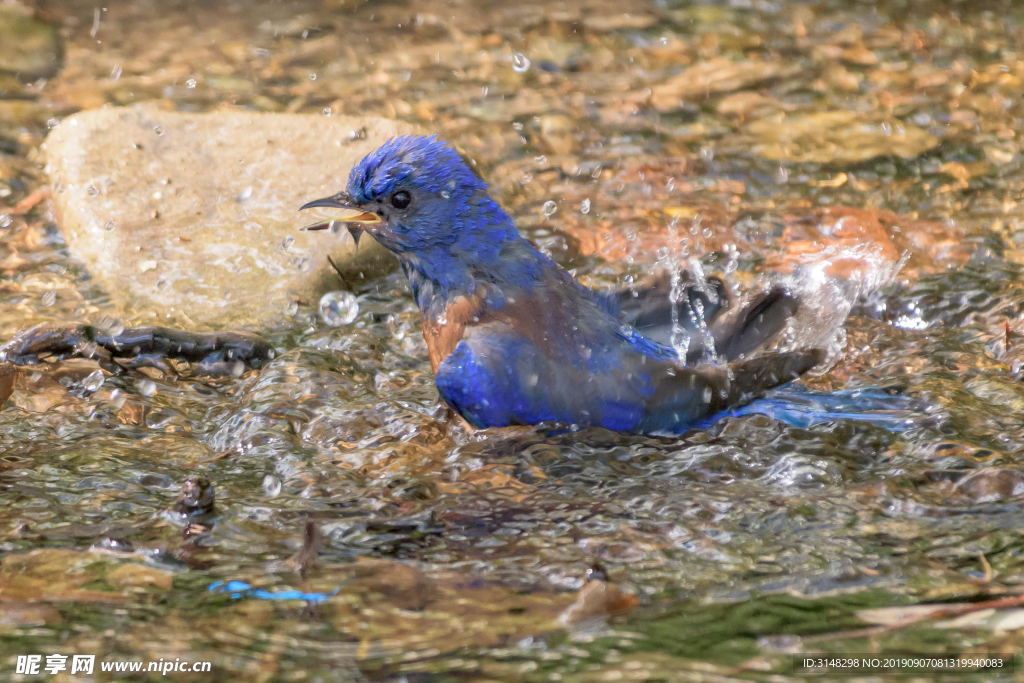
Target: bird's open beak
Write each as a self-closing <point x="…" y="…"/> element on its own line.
<point x="354" y="217"/>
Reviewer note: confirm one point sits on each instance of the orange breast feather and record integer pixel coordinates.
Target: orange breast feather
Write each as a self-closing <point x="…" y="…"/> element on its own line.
<point x="444" y="334"/>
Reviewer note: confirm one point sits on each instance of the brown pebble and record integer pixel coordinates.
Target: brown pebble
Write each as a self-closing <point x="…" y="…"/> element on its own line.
<point x="197" y="497"/>
<point x="990" y="484"/>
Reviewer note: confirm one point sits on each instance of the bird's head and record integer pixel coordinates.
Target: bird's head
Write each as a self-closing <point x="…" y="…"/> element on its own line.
<point x="410" y="194"/>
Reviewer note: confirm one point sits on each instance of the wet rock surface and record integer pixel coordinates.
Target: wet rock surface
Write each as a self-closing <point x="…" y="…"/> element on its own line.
<point x="194" y="217"/>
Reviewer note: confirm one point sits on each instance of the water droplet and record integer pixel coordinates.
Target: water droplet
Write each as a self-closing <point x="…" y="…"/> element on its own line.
<point x="707" y="395"/>
<point x="109" y="225"/>
<point x="395" y="327"/>
<point x="707" y="154"/>
<point x="549" y="207"/>
<point x="190" y="83"/>
<point x="50" y="298"/>
<point x="238" y="369"/>
<point x="92" y="191"/>
<point x="338" y="308"/>
<point x="271" y="486"/>
<point x="288" y="241"/>
<point x="93" y="382"/>
<point x="446" y="194"/>
<point x="159" y="130"/>
<point x="118" y="399"/>
<point x="520" y="64"/>
<point x="585" y="206"/>
<point x="146" y="387"/>
<point x="541" y="160"/>
<point x="110" y="326"/>
<point x="782" y="175"/>
<point x="327" y="111"/>
<point x="244" y="194"/>
<point x="312" y="76"/>
<point x="292" y="308"/>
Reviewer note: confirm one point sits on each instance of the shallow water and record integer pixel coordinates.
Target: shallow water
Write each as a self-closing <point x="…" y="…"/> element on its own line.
<point x="744" y="542"/>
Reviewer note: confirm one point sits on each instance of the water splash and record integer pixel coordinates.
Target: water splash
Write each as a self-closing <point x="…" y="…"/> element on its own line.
<point x="93" y="381"/>
<point x="680" y="338"/>
<point x="828" y="284"/>
<point x="271" y="486"/>
<point x="675" y="259"/>
<point x="697" y="314"/>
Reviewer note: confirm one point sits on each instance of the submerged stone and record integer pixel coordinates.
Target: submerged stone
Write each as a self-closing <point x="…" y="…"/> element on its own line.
<point x="715" y="77"/>
<point x="837" y="137"/>
<point x="194" y="217"/>
<point x="30" y="48"/>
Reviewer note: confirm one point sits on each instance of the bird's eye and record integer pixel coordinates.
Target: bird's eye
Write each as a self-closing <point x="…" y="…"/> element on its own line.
<point x="400" y="199"/>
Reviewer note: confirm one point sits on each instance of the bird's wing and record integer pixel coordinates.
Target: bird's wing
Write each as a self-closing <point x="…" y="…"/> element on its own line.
<point x="744" y="330"/>
<point x="736" y="331"/>
<point x="647" y="306"/>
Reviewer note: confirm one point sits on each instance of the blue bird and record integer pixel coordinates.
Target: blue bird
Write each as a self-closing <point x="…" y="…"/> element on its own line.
<point x="514" y="339"/>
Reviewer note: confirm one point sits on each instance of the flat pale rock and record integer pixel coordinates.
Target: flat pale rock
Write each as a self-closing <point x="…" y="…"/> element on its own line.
<point x="715" y="77"/>
<point x="837" y="137"/>
<point x="193" y="218"/>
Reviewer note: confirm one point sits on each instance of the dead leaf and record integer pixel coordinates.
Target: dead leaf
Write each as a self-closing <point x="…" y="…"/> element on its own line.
<point x="892" y="616"/>
<point x="28" y="203"/>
